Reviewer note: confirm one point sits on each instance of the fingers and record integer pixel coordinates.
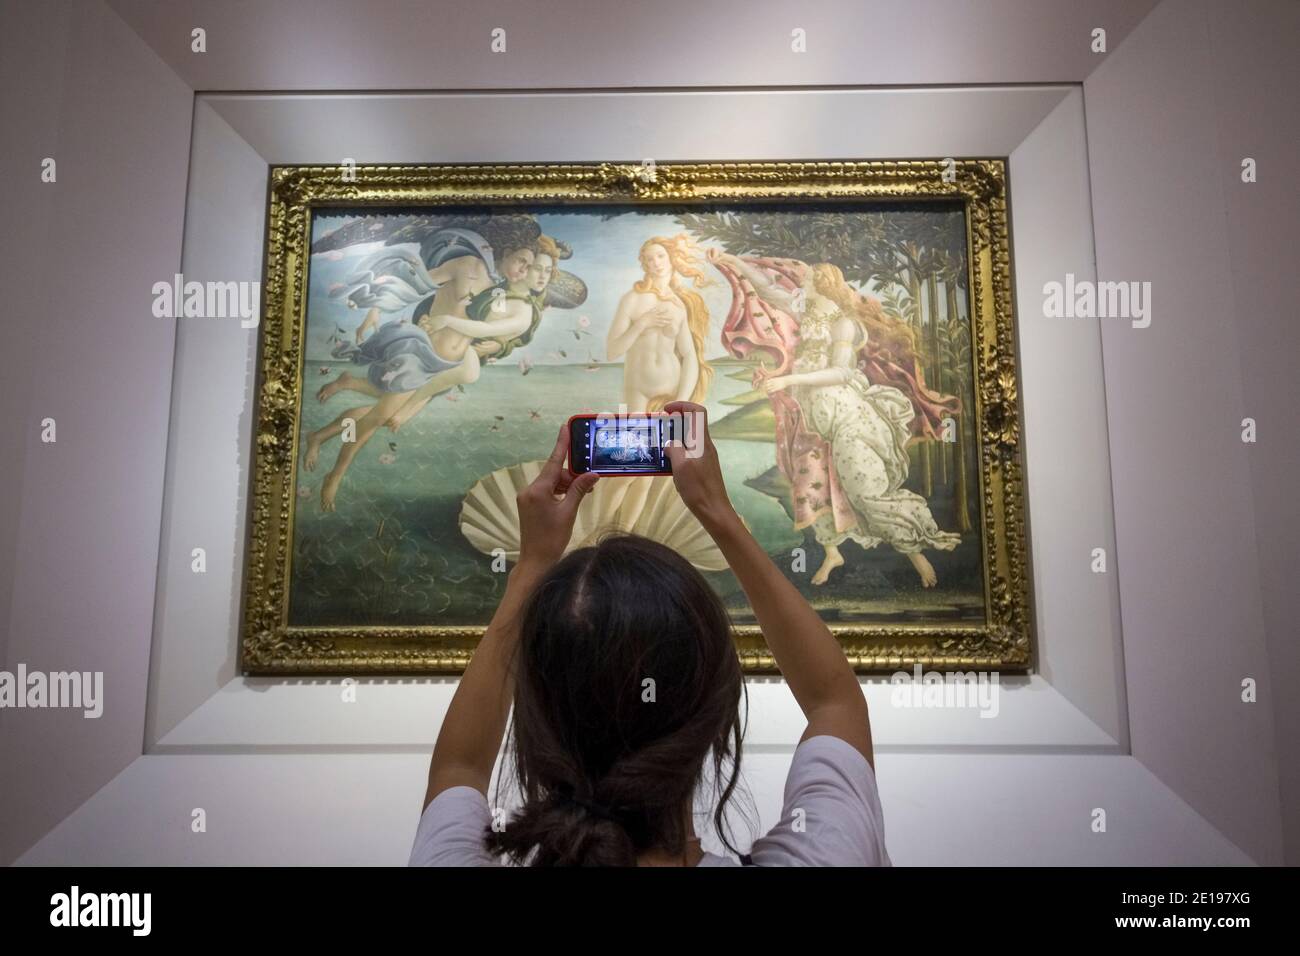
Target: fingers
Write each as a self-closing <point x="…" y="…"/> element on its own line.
<point x="552" y="479"/>
<point x="686" y="408"/>
<point x="578" y="489"/>
<point x="676" y="453"/>
<point x="554" y="466"/>
<point x="692" y="421"/>
<point x="563" y="482"/>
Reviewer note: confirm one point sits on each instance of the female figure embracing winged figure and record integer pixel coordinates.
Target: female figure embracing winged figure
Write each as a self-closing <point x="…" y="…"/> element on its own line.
<point x="467" y="313"/>
<point x="848" y="396"/>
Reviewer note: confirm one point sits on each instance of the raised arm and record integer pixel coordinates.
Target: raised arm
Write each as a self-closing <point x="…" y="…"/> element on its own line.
<point x="471" y="732"/>
<point x="768" y="290"/>
<point x="808" y="655"/>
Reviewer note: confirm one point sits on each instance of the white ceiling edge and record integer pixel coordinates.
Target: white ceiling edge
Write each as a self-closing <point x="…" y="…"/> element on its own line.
<point x="594" y="127"/>
<point x="427" y="45"/>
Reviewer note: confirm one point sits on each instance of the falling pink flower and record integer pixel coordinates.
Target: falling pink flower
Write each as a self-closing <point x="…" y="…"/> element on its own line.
<point x="304" y="491"/>
<point x="584" y="322"/>
<point x="452" y="397"/>
<point x="336" y="288"/>
<point x="387" y="458"/>
<point x="334" y="255"/>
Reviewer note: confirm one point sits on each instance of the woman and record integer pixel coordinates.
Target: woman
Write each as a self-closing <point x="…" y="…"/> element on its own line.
<point x="827" y="408"/>
<point x="626" y="688"/>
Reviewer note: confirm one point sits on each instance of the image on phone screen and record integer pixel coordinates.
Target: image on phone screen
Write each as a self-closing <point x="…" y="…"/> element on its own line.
<point x="627" y="445"/>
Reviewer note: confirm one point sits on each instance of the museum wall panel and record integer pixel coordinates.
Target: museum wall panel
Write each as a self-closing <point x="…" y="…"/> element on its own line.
<point x="81" y="541"/>
<point x="1039" y="128"/>
<point x="1188" y="554"/>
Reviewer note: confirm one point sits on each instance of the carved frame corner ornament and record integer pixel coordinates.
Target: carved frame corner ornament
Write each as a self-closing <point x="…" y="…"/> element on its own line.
<point x="1002" y="642"/>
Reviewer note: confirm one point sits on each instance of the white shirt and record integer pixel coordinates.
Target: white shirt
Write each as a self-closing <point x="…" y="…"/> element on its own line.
<point x="830" y="816"/>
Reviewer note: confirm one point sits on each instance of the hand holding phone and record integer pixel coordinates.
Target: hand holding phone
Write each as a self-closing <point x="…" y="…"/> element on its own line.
<point x="546" y="521"/>
<point x="696" y="470"/>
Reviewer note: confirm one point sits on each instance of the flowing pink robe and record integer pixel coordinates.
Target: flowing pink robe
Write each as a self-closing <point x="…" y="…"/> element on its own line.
<point x="756" y="329"/>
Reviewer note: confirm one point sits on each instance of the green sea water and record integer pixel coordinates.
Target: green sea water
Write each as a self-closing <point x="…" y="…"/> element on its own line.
<point x="392" y="553"/>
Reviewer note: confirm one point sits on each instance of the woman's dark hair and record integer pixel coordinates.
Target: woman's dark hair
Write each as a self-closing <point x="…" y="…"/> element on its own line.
<point x="626" y="680"/>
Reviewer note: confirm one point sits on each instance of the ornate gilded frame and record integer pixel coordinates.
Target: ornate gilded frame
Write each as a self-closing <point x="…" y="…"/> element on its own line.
<point x="270" y="646"/>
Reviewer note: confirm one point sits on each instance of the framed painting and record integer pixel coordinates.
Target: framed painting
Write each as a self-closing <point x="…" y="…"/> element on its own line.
<point x="426" y="330"/>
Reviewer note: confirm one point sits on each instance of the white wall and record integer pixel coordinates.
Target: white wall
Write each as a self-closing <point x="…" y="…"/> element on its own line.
<point x="1257" y="74"/>
<point x="198" y="619"/>
<point x="79" y="522"/>
<point x="596" y="44"/>
<point x="212" y="400"/>
<point x="80" y="517"/>
<point x="326" y="809"/>
<point x="1164" y="178"/>
<point x="1067" y="475"/>
<point x="1042" y="128"/>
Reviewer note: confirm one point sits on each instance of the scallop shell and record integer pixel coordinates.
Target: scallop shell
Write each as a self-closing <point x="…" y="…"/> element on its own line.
<point x="489" y="516"/>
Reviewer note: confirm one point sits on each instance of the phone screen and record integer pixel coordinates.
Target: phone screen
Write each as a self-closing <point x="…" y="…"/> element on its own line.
<point x="621" y="445"/>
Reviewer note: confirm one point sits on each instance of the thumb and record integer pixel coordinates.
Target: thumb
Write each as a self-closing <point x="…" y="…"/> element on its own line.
<point x="676" y="452"/>
<point x="579" y="488"/>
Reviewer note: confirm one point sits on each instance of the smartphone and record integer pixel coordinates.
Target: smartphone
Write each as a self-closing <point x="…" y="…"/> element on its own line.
<point x="620" y="444"/>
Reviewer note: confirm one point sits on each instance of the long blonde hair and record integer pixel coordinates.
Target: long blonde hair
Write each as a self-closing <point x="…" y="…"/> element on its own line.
<point x="866" y="311"/>
<point x="681" y="254"/>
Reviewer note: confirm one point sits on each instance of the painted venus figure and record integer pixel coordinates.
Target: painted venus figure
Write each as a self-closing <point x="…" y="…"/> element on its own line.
<point x="659" y="331"/>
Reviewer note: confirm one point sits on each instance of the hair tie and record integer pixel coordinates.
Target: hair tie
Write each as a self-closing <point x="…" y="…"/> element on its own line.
<point x="595" y="809"/>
